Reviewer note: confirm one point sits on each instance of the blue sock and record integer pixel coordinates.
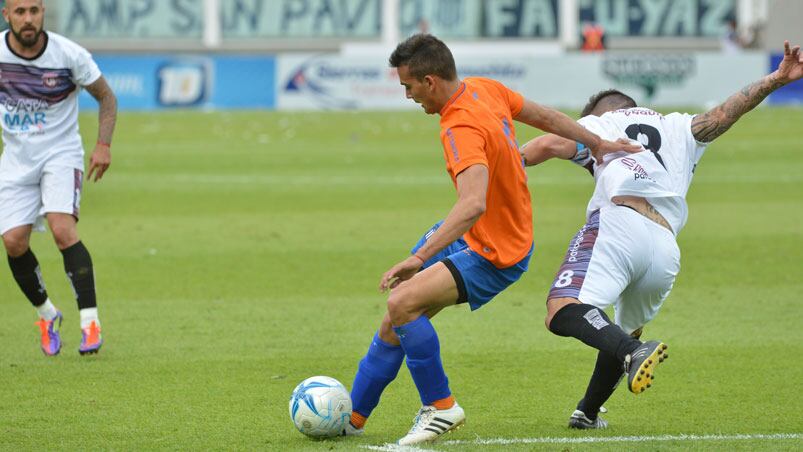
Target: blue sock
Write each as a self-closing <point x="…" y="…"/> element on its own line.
<point x="420" y="343"/>
<point x="379" y="367"/>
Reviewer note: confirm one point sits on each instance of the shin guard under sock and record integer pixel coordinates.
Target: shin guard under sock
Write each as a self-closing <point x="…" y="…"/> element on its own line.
<point x="78" y="266"/>
<point x="593" y="327"/>
<point x="421" y="345"/>
<point x="25" y="269"/>
<point x="377" y="369"/>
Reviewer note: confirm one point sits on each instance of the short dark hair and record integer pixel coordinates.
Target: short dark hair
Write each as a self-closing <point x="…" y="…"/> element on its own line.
<point x="424" y="55"/>
<point x="610" y="99"/>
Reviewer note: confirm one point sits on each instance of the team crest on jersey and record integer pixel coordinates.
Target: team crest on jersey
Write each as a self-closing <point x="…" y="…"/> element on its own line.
<point x="50" y="79"/>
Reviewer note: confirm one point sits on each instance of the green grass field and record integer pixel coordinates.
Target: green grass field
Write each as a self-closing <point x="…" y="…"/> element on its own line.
<point x="239" y="253"/>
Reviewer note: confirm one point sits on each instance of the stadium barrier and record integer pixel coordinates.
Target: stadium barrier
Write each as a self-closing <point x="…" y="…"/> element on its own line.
<point x="302" y="81"/>
<point x="149" y="82"/>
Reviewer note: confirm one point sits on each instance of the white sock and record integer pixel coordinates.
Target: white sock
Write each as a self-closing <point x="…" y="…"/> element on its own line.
<point x="47" y="311"/>
<point x="89" y="315"/>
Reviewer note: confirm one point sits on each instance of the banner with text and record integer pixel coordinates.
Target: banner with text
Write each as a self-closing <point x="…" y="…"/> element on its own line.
<point x="183" y="19"/>
<point x="288" y="19"/>
<point x="193" y="81"/>
<point x="677" y="18"/>
<point x="305" y="81"/>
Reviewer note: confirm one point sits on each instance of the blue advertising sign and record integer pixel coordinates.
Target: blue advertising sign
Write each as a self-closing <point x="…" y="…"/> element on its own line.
<point x="169" y="81"/>
<point x="789" y="94"/>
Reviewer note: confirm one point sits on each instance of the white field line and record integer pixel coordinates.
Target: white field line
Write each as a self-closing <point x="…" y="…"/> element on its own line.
<point x="595" y="439"/>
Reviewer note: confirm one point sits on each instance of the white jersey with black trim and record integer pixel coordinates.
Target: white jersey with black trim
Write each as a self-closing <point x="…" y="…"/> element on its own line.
<point x="662" y="173"/>
<point x="39" y="105"/>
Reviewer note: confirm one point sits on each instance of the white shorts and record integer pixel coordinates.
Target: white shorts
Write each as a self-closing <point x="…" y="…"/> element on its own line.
<point x="56" y="190"/>
<point x="623" y="259"/>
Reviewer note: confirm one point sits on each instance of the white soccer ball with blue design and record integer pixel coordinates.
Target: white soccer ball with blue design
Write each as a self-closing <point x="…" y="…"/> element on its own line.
<point x="320" y="407"/>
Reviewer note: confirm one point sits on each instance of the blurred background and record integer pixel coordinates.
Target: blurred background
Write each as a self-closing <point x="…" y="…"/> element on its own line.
<point x="332" y="54"/>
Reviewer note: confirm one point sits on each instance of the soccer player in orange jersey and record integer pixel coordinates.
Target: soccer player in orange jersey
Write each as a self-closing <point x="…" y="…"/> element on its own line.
<point x="481" y="247"/>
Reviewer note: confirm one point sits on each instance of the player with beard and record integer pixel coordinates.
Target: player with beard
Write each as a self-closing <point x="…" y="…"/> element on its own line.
<point x="42" y="165"/>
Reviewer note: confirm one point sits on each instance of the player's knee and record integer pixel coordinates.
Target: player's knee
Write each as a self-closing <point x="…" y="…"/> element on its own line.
<point x="553" y="305"/>
<point x="401" y="306"/>
<point x="16" y="244"/>
<point x="64" y="235"/>
<point x="387" y="334"/>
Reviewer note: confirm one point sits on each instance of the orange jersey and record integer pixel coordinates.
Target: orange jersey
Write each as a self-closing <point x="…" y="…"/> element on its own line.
<point x="477" y="129"/>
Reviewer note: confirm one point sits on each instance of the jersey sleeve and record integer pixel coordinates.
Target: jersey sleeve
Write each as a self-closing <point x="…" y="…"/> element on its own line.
<point x="681" y="128"/>
<point x="85" y="70"/>
<point x="513" y="99"/>
<point x="463" y="146"/>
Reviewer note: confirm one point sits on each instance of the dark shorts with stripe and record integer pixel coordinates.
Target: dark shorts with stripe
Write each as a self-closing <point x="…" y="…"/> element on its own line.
<point x="478" y="280"/>
<point x="572" y="273"/>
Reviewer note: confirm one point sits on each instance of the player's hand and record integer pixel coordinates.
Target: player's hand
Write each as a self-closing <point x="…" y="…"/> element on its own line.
<point x="609" y="147"/>
<point x="402" y="271"/>
<point x="99" y="162"/>
<point x="791" y="67"/>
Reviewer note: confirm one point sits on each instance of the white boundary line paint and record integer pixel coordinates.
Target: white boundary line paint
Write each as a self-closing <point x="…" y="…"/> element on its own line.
<point x="596" y="439"/>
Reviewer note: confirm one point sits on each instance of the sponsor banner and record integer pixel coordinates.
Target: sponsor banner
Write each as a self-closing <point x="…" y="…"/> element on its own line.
<point x="308" y="81"/>
<point x="678" y="18"/>
<point x="789" y="94"/>
<point x="305" y="81"/>
<point x="167" y="81"/>
<point x="652" y="79"/>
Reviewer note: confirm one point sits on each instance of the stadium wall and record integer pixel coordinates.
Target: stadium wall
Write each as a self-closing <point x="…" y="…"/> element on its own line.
<point x="305" y="81"/>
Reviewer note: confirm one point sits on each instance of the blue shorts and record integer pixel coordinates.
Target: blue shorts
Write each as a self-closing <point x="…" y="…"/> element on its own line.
<point x="478" y="280"/>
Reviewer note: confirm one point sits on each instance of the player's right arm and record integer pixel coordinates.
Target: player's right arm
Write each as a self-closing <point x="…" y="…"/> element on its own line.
<point x="553" y="121"/>
<point x="709" y="126"/>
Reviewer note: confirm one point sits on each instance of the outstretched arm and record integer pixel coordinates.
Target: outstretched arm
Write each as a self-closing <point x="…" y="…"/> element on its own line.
<point x="709" y="126"/>
<point x="545" y="147"/>
<point x="555" y="122"/>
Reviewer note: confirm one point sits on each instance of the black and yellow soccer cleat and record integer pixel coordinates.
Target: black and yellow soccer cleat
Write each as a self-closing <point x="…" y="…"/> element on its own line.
<point x="640" y="365"/>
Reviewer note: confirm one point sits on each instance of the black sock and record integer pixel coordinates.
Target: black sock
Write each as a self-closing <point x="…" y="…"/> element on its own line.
<point x="593" y="328"/>
<point x="607" y="373"/>
<point x="78" y="265"/>
<point x="26" y="272"/>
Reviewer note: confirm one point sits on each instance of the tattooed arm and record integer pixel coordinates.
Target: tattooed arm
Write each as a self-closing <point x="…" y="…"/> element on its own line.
<point x="101" y="157"/>
<point x="708" y="126"/>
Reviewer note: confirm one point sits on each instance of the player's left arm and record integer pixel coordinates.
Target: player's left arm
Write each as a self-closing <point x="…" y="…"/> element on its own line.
<point x="549" y="146"/>
<point x="710" y="125"/>
<point x="101" y="157"/>
<point x="553" y="121"/>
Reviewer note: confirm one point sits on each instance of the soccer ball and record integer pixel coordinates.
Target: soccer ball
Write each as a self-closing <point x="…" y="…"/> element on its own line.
<point x="320" y="407"/>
